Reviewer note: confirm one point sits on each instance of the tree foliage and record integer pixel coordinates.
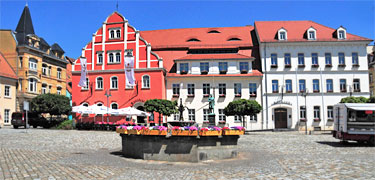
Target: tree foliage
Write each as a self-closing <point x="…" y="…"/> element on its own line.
<point x="161" y="106"/>
<point x="242" y="108"/>
<point x="354" y="100"/>
<point x="371" y="99"/>
<point x="53" y="104"/>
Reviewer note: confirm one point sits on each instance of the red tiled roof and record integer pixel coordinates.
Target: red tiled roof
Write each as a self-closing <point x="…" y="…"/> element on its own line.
<point x="178" y="38"/>
<point x="267" y="31"/>
<point x="6" y="69"/>
<point x="253" y="73"/>
<point x="214" y="56"/>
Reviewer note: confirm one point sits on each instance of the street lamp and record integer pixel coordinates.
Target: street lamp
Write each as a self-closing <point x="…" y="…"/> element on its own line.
<point x="304" y="94"/>
<point x="107" y="94"/>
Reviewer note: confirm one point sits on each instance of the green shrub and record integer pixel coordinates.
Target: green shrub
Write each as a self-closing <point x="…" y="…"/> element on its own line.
<point x="66" y="125"/>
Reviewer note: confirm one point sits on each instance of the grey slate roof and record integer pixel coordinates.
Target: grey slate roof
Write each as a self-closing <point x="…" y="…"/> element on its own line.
<point x="56" y="47"/>
<point x="25" y="26"/>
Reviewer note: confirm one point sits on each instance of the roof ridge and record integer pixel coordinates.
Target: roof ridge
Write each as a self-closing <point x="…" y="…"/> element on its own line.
<point x="198" y="28"/>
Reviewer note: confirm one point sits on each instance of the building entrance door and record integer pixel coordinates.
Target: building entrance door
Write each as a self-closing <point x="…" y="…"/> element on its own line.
<point x="140" y="119"/>
<point x="281" y="118"/>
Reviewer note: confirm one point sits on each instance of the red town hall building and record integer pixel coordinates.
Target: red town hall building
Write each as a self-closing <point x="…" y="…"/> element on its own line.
<point x="105" y="67"/>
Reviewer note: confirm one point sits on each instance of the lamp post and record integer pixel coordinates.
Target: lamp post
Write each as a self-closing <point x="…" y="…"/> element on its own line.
<point x="304" y="94"/>
<point x="107" y="94"/>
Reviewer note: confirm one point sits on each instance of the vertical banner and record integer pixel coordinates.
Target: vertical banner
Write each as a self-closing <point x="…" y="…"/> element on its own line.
<point x="129" y="68"/>
<point x="82" y="81"/>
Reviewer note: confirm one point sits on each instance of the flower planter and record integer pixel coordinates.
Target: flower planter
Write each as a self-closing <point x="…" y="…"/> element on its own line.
<point x="122" y="131"/>
<point x="184" y="133"/>
<point x="154" y="133"/>
<point x="232" y="132"/>
<point x="136" y="132"/>
<point x="210" y="133"/>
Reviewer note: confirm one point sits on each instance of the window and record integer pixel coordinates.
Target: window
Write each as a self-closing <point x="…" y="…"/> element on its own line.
<point x="191" y="114"/>
<point x="355" y="59"/>
<point x="282" y="35"/>
<point x="21" y="61"/>
<point x="253" y="89"/>
<point x="222" y="89"/>
<point x="275" y="86"/>
<point x="287" y="59"/>
<point x="237" y="89"/>
<point x="112" y="34"/>
<point x="244" y="67"/>
<point x="302" y="112"/>
<point x="329" y="85"/>
<point x="273" y="60"/>
<point x="114" y="84"/>
<point x="314" y="59"/>
<point x="205" y="115"/>
<point x="6" y="116"/>
<point x="234" y="39"/>
<point x="110" y="60"/>
<point x="32" y="85"/>
<point x="206" y="89"/>
<point x="176" y="117"/>
<point x="7" y="91"/>
<point x="44" y="88"/>
<point x="85" y="87"/>
<point x="193" y="40"/>
<point x="59" y="90"/>
<point x="330" y="112"/>
<point x="49" y="70"/>
<point x="145" y="81"/>
<point x="302" y="85"/>
<point x="341" y="59"/>
<point x="316" y="112"/>
<point x="176" y="89"/>
<point x="204" y="67"/>
<point x="114" y="106"/>
<point x="343" y="85"/>
<point x="301" y="59"/>
<point x="50" y="87"/>
<point x="288" y="86"/>
<point x="356" y="85"/>
<point x="328" y="59"/>
<point x="99" y="83"/>
<point x="312" y="35"/>
<point x="223" y="67"/>
<point x="237" y="118"/>
<point x="118" y="33"/>
<point x="118" y="57"/>
<point x="184" y="68"/>
<point x="58" y="73"/>
<point x="33" y="64"/>
<point x="100" y="58"/>
<point x="253" y="118"/>
<point x="341" y="34"/>
<point x="191" y="89"/>
<point x="44" y="69"/>
<point x="316" y="85"/>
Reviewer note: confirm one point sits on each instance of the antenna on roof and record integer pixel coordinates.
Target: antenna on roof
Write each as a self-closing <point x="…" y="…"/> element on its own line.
<point x="117" y="6"/>
<point x="26" y="3"/>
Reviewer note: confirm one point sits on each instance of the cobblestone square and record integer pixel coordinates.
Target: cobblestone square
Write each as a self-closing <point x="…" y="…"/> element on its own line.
<point x="60" y="154"/>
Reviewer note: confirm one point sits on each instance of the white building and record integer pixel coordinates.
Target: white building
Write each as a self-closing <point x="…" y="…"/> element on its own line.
<point x="300" y="57"/>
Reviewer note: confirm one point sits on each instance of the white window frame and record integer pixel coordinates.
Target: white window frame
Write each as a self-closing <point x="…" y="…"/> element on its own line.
<point x="312" y="31"/>
<point x="115" y="34"/>
<point x="204" y="66"/>
<point x="33" y="64"/>
<point x="98" y="59"/>
<point x="109" y="58"/>
<point x="355" y="58"/>
<point x="6" y="116"/>
<point x="222" y="88"/>
<point x="339" y="35"/>
<point x="205" y="88"/>
<point x="302" y="112"/>
<point x="316" y="85"/>
<point x="44" y="88"/>
<point x="191" y="89"/>
<point x="251" y="92"/>
<point x="222" y="116"/>
<point x="58" y="73"/>
<point x="341" y="53"/>
<point x="253" y="118"/>
<point x="287" y="56"/>
<point x="356" y="85"/>
<point x="176" y="89"/>
<point x="237" y="89"/>
<point x="191" y="114"/>
<point x="205" y="115"/>
<point x="33" y="84"/>
<point x="7" y="91"/>
<point x="316" y="112"/>
<point x="118" y="57"/>
<point x="282" y="30"/>
<point x="273" y="59"/>
<point x="44" y="69"/>
<point x="58" y="90"/>
<point x="237" y="119"/>
<point x="87" y="84"/>
<point x="315" y="57"/>
<point x="330" y="112"/>
<point x="301" y="56"/>
<point x="144" y="83"/>
<point x="97" y="83"/>
<point x="113" y="104"/>
<point x="112" y="84"/>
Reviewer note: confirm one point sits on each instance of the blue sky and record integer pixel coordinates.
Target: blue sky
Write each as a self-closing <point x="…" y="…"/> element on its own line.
<point x="72" y="23"/>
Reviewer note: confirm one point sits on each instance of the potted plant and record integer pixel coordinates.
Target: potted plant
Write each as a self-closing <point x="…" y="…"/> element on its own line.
<point x="235" y="130"/>
<point x="186" y="131"/>
<point x="210" y="131"/>
<point x="155" y="131"/>
<point x="237" y="95"/>
<point x="221" y="95"/>
<point x="204" y="72"/>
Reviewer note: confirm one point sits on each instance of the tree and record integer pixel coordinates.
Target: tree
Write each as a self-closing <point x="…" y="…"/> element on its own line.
<point x="371" y="99"/>
<point x="53" y="104"/>
<point x="161" y="106"/>
<point x="354" y="100"/>
<point x="242" y="108"/>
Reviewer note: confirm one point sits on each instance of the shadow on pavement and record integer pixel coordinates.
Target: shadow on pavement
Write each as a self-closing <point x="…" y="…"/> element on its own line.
<point x="344" y="144"/>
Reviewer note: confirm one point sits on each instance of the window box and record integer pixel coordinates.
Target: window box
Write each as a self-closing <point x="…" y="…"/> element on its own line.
<point x="302" y="120"/>
<point x="176" y="95"/>
<point x="330" y="91"/>
<point x="343" y="90"/>
<point x="183" y="72"/>
<point x="244" y="71"/>
<point x="342" y="65"/>
<point x="330" y="120"/>
<point x="328" y="65"/>
<point x="222" y="95"/>
<point x="209" y="133"/>
<point x="190" y="95"/>
<point x="302" y="91"/>
<point x="206" y="121"/>
<point x="184" y="133"/>
<point x="357" y="90"/>
<point x="316" y="91"/>
<point x="315" y="65"/>
<point x="223" y="71"/>
<point x="289" y="91"/>
<point x="206" y="95"/>
<point x="316" y="119"/>
<point x="222" y="122"/>
<point x="288" y="65"/>
<point x="301" y="65"/>
<point x="355" y="65"/>
<point x="253" y="95"/>
<point x="237" y="95"/>
<point x="232" y="132"/>
<point x="273" y="66"/>
<point x="204" y="72"/>
<point x="275" y="91"/>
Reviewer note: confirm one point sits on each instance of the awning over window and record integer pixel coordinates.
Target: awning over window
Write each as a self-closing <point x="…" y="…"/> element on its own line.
<point x="361" y="106"/>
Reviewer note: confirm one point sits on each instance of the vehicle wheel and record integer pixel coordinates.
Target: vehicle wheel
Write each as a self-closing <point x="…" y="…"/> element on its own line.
<point x="15" y="127"/>
<point x="35" y="126"/>
<point x="371" y="141"/>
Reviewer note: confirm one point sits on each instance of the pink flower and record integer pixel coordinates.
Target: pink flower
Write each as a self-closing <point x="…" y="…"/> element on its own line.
<point x="176" y="128"/>
<point x="137" y="127"/>
<point x="193" y="128"/>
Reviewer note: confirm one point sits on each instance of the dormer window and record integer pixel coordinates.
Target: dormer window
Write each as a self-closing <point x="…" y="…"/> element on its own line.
<point x="193" y="40"/>
<point x="341" y="33"/>
<point x="282" y="34"/>
<point x="311" y="34"/>
<point x="234" y="39"/>
<point x="115" y="33"/>
<point x="213" y="31"/>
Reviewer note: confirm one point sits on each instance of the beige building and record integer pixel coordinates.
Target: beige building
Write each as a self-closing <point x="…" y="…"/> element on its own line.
<point x="8" y="86"/>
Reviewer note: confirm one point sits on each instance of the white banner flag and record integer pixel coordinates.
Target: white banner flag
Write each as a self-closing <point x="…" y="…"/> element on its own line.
<point x="129" y="70"/>
<point x="82" y="81"/>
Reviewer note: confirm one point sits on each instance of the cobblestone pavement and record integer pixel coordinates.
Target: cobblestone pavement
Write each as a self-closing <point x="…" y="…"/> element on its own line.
<point x="59" y="154"/>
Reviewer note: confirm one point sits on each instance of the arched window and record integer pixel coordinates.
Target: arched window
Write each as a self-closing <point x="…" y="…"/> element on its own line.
<point x="112" y="34"/>
<point x="85" y="104"/>
<point x="33" y="64"/>
<point x="114" y="106"/>
<point x="118" y="57"/>
<point x="110" y="58"/>
<point x="44" y="69"/>
<point x="58" y="73"/>
<point x="99" y="83"/>
<point x="145" y="81"/>
<point x="118" y="33"/>
<point x="32" y="85"/>
<point x="44" y="88"/>
<point x="114" y="83"/>
<point x="59" y="90"/>
<point x="99" y="104"/>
